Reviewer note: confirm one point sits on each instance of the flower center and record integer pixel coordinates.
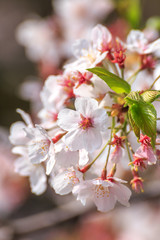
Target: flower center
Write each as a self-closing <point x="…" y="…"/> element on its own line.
<point x="101" y="191"/>
<point x="85" y="123"/>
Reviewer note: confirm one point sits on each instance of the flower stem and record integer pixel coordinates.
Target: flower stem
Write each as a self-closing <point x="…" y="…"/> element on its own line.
<point x="87" y="167"/>
<point x="154" y="82"/>
<point x="133" y="76"/>
<point x="109" y="149"/>
<point x="128" y="151"/>
<point x="122" y="73"/>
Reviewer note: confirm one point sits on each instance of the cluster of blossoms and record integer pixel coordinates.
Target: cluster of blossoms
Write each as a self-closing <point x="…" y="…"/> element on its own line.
<point x="94" y="116"/>
<point x="48" y="41"/>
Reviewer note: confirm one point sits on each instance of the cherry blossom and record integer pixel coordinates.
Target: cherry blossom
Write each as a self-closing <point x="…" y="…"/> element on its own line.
<point x="137" y="42"/>
<point x="117" y="153"/>
<point x="104" y="193"/>
<point x="84" y="125"/>
<point x="40" y="147"/>
<point x="146" y="149"/>
<point x="90" y="53"/>
<point x="36" y="173"/>
<point x="65" y="180"/>
<point x="39" y="39"/>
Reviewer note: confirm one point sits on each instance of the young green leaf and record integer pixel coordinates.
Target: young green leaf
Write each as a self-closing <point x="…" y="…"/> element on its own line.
<point x="135" y="128"/>
<point x="150" y="96"/>
<point x="144" y="115"/>
<point x="133" y="97"/>
<point x="116" y="83"/>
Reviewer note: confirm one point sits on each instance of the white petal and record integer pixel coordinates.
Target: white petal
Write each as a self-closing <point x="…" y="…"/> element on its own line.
<point x="38" y="151"/>
<point x="136" y="41"/>
<point x="83" y="157"/>
<point x="25" y="117"/>
<point x="17" y="134"/>
<point x="38" y="180"/>
<point x="23" y="166"/>
<point x="92" y="139"/>
<point x="153" y="47"/>
<point x="21" y="150"/>
<point x="64" y="182"/>
<point x="83" y="191"/>
<point x="104" y="202"/>
<point x="74" y="139"/>
<point x="68" y="119"/>
<point x="51" y="160"/>
<point x="66" y="158"/>
<point x="99" y="35"/>
<point x="86" y="106"/>
<point x="79" y="46"/>
<point x="100" y="119"/>
<point x="122" y="193"/>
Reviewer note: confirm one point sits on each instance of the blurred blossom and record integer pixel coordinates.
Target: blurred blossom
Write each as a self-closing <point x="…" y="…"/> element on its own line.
<point x="13" y="188"/>
<point x="39" y="39"/>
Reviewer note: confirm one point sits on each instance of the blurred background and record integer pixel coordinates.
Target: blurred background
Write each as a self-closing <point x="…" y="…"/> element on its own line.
<point x="35" y="40"/>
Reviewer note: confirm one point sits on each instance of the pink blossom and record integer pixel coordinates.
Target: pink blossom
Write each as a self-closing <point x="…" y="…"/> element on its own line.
<point x="146" y="150"/>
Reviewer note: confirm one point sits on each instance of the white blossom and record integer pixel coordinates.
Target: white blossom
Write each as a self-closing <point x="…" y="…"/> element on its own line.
<point x="104" y="193"/>
<point x="84" y="125"/>
<point x="137" y="42"/>
<point x="36" y="173"/>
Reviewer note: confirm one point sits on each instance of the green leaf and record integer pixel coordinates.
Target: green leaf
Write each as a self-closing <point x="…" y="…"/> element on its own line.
<point x="133" y="97"/>
<point x="130" y="10"/>
<point x="150" y="96"/>
<point x="144" y="116"/>
<point x="133" y="13"/>
<point x="135" y="128"/>
<point x="116" y="83"/>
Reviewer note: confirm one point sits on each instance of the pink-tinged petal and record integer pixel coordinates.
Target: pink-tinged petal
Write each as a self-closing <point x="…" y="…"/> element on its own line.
<point x="116" y="155"/>
<point x="122" y="193"/>
<point x="85" y="106"/>
<point x="68" y="119"/>
<point x="38" y="180"/>
<point x="151" y="156"/>
<point x="100" y="35"/>
<point x="147" y="152"/>
<point x="17" y="134"/>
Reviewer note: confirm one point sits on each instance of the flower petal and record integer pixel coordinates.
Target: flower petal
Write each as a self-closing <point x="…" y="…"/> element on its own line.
<point x="68" y="119"/>
<point x="86" y="106"/>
